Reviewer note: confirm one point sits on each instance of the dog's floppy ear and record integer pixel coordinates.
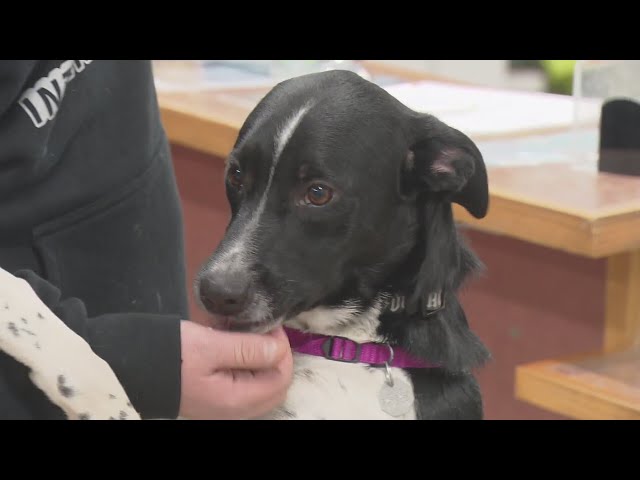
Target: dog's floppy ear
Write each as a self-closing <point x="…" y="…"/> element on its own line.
<point x="447" y="162"/>
<point x="443" y="166"/>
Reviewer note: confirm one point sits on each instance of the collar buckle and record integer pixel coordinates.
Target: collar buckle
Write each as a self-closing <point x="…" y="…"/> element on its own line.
<point x="327" y="349"/>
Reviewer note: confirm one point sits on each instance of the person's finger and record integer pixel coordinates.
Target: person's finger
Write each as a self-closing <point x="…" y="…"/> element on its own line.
<point x="279" y="334"/>
<point x="242" y="351"/>
<point x="245" y="375"/>
<point x="258" y="394"/>
<point x="251" y="394"/>
<point x="267" y="381"/>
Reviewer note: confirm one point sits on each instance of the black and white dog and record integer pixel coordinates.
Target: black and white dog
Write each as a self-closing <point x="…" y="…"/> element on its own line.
<point x="342" y="230"/>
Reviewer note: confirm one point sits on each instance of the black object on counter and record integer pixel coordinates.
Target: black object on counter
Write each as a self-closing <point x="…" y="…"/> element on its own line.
<point x="620" y="137"/>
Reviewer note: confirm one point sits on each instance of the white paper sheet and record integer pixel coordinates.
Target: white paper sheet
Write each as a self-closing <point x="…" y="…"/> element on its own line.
<point x="485" y="112"/>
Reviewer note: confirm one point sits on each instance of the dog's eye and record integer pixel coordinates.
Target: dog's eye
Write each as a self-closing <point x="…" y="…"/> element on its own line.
<point x="235" y="177"/>
<point x="318" y="195"/>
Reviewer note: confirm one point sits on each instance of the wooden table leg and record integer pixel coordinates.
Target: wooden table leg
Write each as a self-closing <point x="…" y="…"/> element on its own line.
<point x="622" y="321"/>
<point x="596" y="385"/>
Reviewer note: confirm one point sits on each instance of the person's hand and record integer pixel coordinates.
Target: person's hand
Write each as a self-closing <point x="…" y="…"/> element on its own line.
<point x="227" y="375"/>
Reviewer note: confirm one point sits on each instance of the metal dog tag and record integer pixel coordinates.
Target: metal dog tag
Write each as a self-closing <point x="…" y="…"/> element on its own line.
<point x="396" y="399"/>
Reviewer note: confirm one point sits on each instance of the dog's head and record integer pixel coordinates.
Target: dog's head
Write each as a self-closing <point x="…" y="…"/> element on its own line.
<point x="334" y="188"/>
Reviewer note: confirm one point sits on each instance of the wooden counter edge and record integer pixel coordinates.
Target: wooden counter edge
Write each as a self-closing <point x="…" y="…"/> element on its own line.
<point x="556" y="229"/>
<point x="584" y="396"/>
<point x="198" y="133"/>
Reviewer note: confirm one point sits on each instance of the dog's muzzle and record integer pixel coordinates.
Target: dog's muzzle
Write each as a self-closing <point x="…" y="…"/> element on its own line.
<point x="226" y="295"/>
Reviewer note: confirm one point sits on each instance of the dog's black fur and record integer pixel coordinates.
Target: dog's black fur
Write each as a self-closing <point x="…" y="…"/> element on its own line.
<point x="388" y="229"/>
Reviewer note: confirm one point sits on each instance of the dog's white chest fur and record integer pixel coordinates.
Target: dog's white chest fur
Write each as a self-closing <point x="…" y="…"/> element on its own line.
<point x="325" y="389"/>
<point x="328" y="390"/>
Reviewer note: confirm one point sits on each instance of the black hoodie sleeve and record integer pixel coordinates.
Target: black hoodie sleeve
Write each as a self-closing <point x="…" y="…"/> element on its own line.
<point x="143" y="350"/>
<point x="89" y="202"/>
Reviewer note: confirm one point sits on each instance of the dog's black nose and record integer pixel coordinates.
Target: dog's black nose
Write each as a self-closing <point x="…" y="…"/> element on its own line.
<point x="224" y="296"/>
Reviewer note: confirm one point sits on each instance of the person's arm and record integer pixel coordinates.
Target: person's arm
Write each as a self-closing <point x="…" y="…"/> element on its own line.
<point x="166" y="367"/>
<point x="13" y="78"/>
<point x="143" y="350"/>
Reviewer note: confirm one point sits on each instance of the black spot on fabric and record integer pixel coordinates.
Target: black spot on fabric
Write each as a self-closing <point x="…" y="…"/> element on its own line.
<point x="305" y="373"/>
<point x="37" y="345"/>
<point x="112" y="396"/>
<point x="25" y="321"/>
<point x="84" y="416"/>
<point x="28" y="332"/>
<point x="123" y="415"/>
<point x="13" y="329"/>
<point x="64" y="390"/>
<point x="287" y="413"/>
<point x="342" y="385"/>
<point x="40" y="316"/>
<point x="6" y="306"/>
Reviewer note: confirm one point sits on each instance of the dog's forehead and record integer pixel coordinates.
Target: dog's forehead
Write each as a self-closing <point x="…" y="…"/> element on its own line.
<point x="322" y="118"/>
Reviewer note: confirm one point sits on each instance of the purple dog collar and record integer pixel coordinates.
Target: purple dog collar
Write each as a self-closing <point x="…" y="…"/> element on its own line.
<point x="344" y="350"/>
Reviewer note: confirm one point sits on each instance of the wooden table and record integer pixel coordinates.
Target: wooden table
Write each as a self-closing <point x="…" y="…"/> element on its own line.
<point x="579" y="213"/>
